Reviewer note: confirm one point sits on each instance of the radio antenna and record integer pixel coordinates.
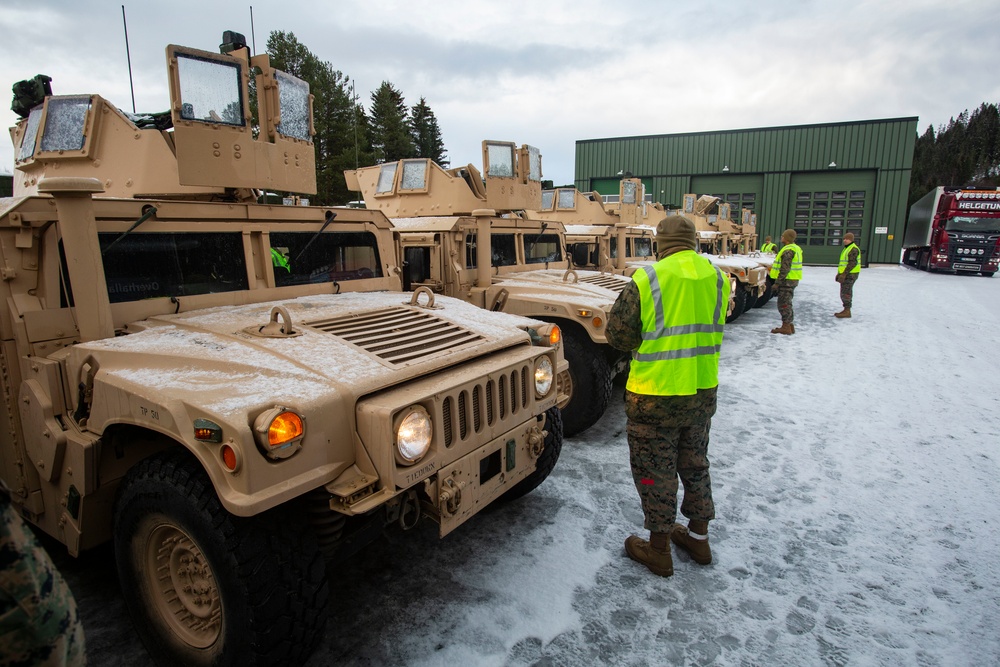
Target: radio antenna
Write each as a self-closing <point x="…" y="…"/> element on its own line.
<point x="128" y="56"/>
<point x="253" y="38"/>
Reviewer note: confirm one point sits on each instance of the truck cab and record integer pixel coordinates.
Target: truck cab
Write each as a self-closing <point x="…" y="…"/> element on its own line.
<point x="954" y="229"/>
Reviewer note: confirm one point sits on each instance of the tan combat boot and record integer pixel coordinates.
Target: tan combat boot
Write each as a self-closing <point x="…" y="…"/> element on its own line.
<point x="694" y="540"/>
<point x="846" y="312"/>
<point x="786" y="329"/>
<point x="654" y="554"/>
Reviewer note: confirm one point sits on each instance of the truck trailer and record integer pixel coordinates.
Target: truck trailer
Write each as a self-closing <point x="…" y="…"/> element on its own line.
<point x="954" y="229"/>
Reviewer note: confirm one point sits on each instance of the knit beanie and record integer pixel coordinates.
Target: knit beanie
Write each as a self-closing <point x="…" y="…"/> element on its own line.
<point x="675" y="233"/>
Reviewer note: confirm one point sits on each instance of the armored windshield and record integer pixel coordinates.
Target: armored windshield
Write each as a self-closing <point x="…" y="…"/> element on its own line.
<point x="330" y="257"/>
<point x="534" y="164"/>
<point x="628" y="192"/>
<point x="414" y="175"/>
<point x="293" y="98"/>
<point x="386" y="178"/>
<point x="211" y="90"/>
<point x="542" y="248"/>
<point x="548" y="197"/>
<point x="162" y="264"/>
<point x="971" y="224"/>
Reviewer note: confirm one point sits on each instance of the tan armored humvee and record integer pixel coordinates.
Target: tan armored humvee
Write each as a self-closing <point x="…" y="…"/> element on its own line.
<point x="595" y="231"/>
<point x="238" y="394"/>
<point x="463" y="235"/>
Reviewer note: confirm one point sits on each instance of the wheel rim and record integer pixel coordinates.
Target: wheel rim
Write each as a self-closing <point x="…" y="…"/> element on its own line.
<point x="183" y="586"/>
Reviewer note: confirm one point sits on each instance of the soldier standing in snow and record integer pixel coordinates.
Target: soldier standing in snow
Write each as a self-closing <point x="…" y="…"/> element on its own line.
<point x="786" y="273"/>
<point x="847" y="273"/>
<point x="671" y="317"/>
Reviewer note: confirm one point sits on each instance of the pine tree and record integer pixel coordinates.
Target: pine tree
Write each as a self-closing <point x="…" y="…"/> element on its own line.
<point x="427" y="133"/>
<point x="391" y="134"/>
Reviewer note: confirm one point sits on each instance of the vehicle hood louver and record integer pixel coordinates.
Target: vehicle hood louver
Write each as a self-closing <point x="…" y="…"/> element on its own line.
<point x="398" y="335"/>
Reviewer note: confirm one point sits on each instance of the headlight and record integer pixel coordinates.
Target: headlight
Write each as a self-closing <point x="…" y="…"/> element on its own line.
<point x="279" y="432"/>
<point x="413" y="435"/>
<point x="544" y="374"/>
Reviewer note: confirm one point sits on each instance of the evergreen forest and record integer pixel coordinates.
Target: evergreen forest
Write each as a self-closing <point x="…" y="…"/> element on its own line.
<point x="965" y="152"/>
<point x="347" y="135"/>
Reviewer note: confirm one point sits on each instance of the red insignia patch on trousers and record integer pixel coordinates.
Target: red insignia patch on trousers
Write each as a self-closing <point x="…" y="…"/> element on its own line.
<point x="645" y="481"/>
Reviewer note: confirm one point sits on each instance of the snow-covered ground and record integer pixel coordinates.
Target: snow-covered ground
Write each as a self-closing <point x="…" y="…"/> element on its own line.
<point x="855" y="472"/>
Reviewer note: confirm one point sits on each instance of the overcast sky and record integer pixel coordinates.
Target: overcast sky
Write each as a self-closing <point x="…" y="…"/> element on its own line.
<point x="549" y="73"/>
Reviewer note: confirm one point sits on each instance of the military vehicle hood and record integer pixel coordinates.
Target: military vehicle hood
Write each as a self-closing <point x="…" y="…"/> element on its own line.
<point x="211" y="358"/>
<point x="603" y="288"/>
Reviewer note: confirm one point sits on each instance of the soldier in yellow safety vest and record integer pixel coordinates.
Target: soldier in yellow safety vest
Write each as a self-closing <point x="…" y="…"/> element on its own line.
<point x="847" y="273"/>
<point x="671" y="317"/>
<point x="786" y="273"/>
<point x="768" y="245"/>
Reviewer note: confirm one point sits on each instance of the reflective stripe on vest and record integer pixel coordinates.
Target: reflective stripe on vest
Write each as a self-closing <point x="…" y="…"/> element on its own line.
<point x="768" y="247"/>
<point x="682" y="297"/>
<point x="843" y="259"/>
<point x="794" y="273"/>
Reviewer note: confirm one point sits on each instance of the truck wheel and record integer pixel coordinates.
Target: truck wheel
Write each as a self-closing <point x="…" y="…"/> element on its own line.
<point x="205" y="587"/>
<point x="591" y="374"/>
<point x="740" y="303"/>
<point x="546" y="462"/>
<point x="988" y="274"/>
<point x="922" y="260"/>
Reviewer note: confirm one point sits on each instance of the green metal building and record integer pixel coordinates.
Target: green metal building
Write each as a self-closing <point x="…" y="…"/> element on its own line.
<point x="821" y="180"/>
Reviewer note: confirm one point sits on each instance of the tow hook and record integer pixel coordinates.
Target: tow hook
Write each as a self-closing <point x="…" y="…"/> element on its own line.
<point x="536" y="441"/>
<point x="450" y="498"/>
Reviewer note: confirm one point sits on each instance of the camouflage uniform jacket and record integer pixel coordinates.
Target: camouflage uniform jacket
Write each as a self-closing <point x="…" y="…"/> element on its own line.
<point x="39" y="623"/>
<point x="783" y="269"/>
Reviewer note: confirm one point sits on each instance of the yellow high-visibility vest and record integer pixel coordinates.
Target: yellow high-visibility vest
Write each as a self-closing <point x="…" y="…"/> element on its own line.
<point x="683" y="298"/>
<point x="843" y="259"/>
<point x="768" y="247"/>
<point x="795" y="273"/>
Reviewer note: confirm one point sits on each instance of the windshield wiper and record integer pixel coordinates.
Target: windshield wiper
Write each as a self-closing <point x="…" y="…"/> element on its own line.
<point x="330" y="215"/>
<point x="527" y="253"/>
<point x="149" y="213"/>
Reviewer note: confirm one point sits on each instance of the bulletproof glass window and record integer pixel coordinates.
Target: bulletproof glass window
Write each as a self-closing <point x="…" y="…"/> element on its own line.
<point x="501" y="160"/>
<point x="567" y="199"/>
<point x="503" y="250"/>
<point x="329" y="257"/>
<point x="293" y="100"/>
<point x="611" y="199"/>
<point x="628" y="192"/>
<point x="547" y="198"/>
<point x="643" y="247"/>
<point x="579" y="253"/>
<point x="211" y="91"/>
<point x="147" y="265"/>
<point x="470" y="251"/>
<point x="539" y="248"/>
<point x="414" y="175"/>
<point x="64" y="123"/>
<point x="386" y="178"/>
<point x="30" y="134"/>
<point x="534" y="164"/>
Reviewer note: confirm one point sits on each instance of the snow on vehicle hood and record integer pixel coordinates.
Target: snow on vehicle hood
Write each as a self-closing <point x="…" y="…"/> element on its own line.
<point x="549" y="284"/>
<point x="206" y="357"/>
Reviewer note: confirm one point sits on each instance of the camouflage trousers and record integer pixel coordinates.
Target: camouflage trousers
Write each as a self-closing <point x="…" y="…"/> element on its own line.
<point x="39" y="623"/>
<point x="785" y="304"/>
<point x="847" y="289"/>
<point x="667" y="439"/>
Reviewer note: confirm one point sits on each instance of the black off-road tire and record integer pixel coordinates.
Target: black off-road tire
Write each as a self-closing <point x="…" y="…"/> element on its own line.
<point x="750" y="300"/>
<point x="547" y="460"/>
<point x="591" y="375"/>
<point x="988" y="274"/>
<point x="205" y="587"/>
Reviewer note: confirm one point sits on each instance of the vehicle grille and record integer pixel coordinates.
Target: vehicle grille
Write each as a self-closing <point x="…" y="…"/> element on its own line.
<point x="610" y="282"/>
<point x="398" y="335"/>
<point x="498" y="398"/>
